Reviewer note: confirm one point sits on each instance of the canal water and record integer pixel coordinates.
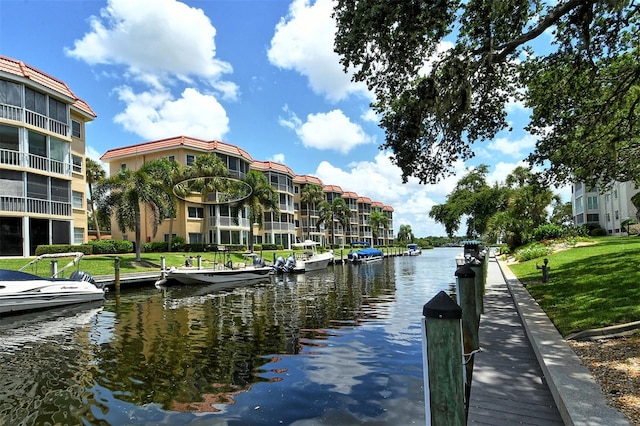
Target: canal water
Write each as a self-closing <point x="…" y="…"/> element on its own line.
<point x="336" y="347"/>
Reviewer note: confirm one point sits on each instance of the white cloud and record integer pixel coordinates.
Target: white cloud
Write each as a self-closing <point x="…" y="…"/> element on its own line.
<point x="155" y="40"/>
<point x="380" y="180"/>
<point x="278" y="158"/>
<point x="303" y="42"/>
<point x="514" y="148"/>
<point x="157" y="115"/>
<point x="332" y="130"/>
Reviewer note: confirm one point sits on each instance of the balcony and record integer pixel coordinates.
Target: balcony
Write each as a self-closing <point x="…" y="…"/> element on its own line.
<point x="34" y="205"/>
<point x="279" y="226"/>
<point x="21" y="159"/>
<point x="15" y="113"/>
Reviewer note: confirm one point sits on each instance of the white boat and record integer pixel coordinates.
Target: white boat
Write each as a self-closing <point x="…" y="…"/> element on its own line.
<point x="22" y="291"/>
<point x="413" y="250"/>
<point x="310" y="259"/>
<point x="216" y="276"/>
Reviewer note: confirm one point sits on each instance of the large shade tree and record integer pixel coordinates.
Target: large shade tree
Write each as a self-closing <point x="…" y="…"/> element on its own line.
<point x="405" y="234"/>
<point x="443" y="74"/>
<point x="129" y="193"/>
<point x="377" y="220"/>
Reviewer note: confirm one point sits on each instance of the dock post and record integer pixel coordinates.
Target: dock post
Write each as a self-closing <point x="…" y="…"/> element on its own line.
<point x="477" y="266"/>
<point x="116" y="269"/>
<point x="163" y="267"/>
<point x="53" y="268"/>
<point x="442" y="362"/>
<point x="199" y="257"/>
<point x="467" y="299"/>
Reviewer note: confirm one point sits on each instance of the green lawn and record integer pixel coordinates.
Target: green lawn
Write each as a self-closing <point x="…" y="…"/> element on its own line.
<point x="590" y="286"/>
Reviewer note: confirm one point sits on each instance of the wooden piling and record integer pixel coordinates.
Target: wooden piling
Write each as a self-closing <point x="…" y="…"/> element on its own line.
<point x="116" y="270"/>
<point x="470" y="342"/>
<point x="442" y="360"/>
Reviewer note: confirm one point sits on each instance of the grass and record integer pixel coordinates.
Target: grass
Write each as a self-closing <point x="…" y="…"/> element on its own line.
<point x="590" y="286"/>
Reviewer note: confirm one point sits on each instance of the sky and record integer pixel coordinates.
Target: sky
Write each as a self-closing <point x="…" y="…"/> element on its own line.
<point x="259" y="74"/>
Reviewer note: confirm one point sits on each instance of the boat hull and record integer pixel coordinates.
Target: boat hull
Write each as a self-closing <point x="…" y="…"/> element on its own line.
<point x="214" y="276"/>
<point x="21" y="296"/>
<point x="318" y="262"/>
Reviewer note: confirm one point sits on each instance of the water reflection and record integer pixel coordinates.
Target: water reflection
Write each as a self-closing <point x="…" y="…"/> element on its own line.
<point x="339" y="346"/>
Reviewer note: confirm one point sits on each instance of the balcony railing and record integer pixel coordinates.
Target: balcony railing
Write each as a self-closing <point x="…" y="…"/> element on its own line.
<point x="21" y="159"/>
<point x="227" y="222"/>
<point x="15" y="113"/>
<point x="34" y="205"/>
<point x="278" y="226"/>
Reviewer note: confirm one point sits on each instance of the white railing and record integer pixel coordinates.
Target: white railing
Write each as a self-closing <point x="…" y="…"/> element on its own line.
<point x="10" y="157"/>
<point x="11" y="204"/>
<point x="36" y="119"/>
<point x="58" y="127"/>
<point x="279" y="226"/>
<point x="11" y="112"/>
<point x="48" y="165"/>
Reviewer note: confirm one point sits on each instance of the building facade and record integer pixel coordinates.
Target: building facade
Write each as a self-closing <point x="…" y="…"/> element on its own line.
<point x="42" y="161"/>
<point x="213" y="223"/>
<point x="611" y="209"/>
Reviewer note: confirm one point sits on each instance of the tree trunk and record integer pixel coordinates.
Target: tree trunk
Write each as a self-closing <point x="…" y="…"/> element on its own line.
<point x="95" y="215"/>
<point x="138" y="238"/>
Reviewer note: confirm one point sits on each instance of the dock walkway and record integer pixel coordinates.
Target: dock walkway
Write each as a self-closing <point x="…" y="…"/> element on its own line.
<point x="526" y="373"/>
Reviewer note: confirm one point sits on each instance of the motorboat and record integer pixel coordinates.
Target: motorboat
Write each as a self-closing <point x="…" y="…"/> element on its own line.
<point x="221" y="273"/>
<point x="365" y="255"/>
<point x="413" y="250"/>
<point x="288" y="265"/>
<point x="22" y="291"/>
<point x="310" y="259"/>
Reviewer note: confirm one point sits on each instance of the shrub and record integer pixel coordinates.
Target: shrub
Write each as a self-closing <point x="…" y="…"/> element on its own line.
<point x="549" y="232"/>
<point x="64" y="248"/>
<point x="155" y="247"/>
<point x="531" y="252"/>
<point x="111" y="246"/>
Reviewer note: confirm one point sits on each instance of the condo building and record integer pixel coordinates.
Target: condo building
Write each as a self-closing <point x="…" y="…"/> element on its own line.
<point x="42" y="160"/>
<point x="214" y="224"/>
<point x="610" y="209"/>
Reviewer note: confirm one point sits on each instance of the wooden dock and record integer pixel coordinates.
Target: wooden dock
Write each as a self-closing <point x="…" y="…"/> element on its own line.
<point x="508" y="386"/>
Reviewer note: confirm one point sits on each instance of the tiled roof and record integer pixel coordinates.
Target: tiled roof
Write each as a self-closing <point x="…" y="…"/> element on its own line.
<point x="332" y="188"/>
<point x="377" y="204"/>
<point x="350" y="194"/>
<point x="387" y="209"/>
<point x="173" y="143"/>
<point x="365" y="200"/>
<point x="272" y="165"/>
<point x="20" y="69"/>
<point x="308" y="179"/>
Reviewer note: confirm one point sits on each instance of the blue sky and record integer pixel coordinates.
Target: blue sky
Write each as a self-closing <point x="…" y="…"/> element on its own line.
<point x="260" y="74"/>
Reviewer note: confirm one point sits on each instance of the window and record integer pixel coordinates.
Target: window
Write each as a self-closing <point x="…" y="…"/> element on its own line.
<point x="190" y="159"/>
<point x="196" y="212"/>
<point x="172" y="158"/>
<point x="37" y="186"/>
<point x="123" y="166"/>
<point x="166" y="237"/>
<point x="35" y="101"/>
<point x="78" y="235"/>
<point x="77" y="198"/>
<point x="10" y="93"/>
<point x="76" y="127"/>
<point x="77" y="163"/>
<point x="58" y="110"/>
<point x="195" y="238"/>
<point x="60" y="190"/>
<point x="617" y="215"/>
<point x="11" y="184"/>
<point x="592" y="203"/>
<point x="37" y="144"/>
<point x="593" y="218"/>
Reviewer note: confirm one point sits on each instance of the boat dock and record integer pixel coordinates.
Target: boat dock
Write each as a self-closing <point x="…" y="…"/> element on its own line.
<point x="526" y="373"/>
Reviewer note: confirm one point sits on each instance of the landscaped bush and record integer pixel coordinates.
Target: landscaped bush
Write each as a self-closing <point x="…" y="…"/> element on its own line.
<point x="531" y="251"/>
<point x="549" y="231"/>
<point x="64" y="248"/>
<point x="155" y="247"/>
<point x="111" y="246"/>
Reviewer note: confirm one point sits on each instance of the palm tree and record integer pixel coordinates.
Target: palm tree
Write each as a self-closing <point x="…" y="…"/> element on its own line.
<point x="177" y="174"/>
<point x="338" y="210"/>
<point x="405" y="234"/>
<point x="128" y="192"/>
<point x="94" y="173"/>
<point x="378" y="219"/>
<point x="311" y="195"/>
<point x="263" y="197"/>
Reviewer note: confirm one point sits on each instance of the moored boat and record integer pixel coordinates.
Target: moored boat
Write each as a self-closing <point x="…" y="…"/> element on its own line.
<point x="310" y="259"/>
<point x="413" y="250"/>
<point x="365" y="255"/>
<point x="22" y="291"/>
<point x="218" y="274"/>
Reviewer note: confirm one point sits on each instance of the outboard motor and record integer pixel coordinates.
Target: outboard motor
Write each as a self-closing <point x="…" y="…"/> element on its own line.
<point x="278" y="266"/>
<point x="290" y="264"/>
<point x="84" y="276"/>
<point x="258" y="262"/>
